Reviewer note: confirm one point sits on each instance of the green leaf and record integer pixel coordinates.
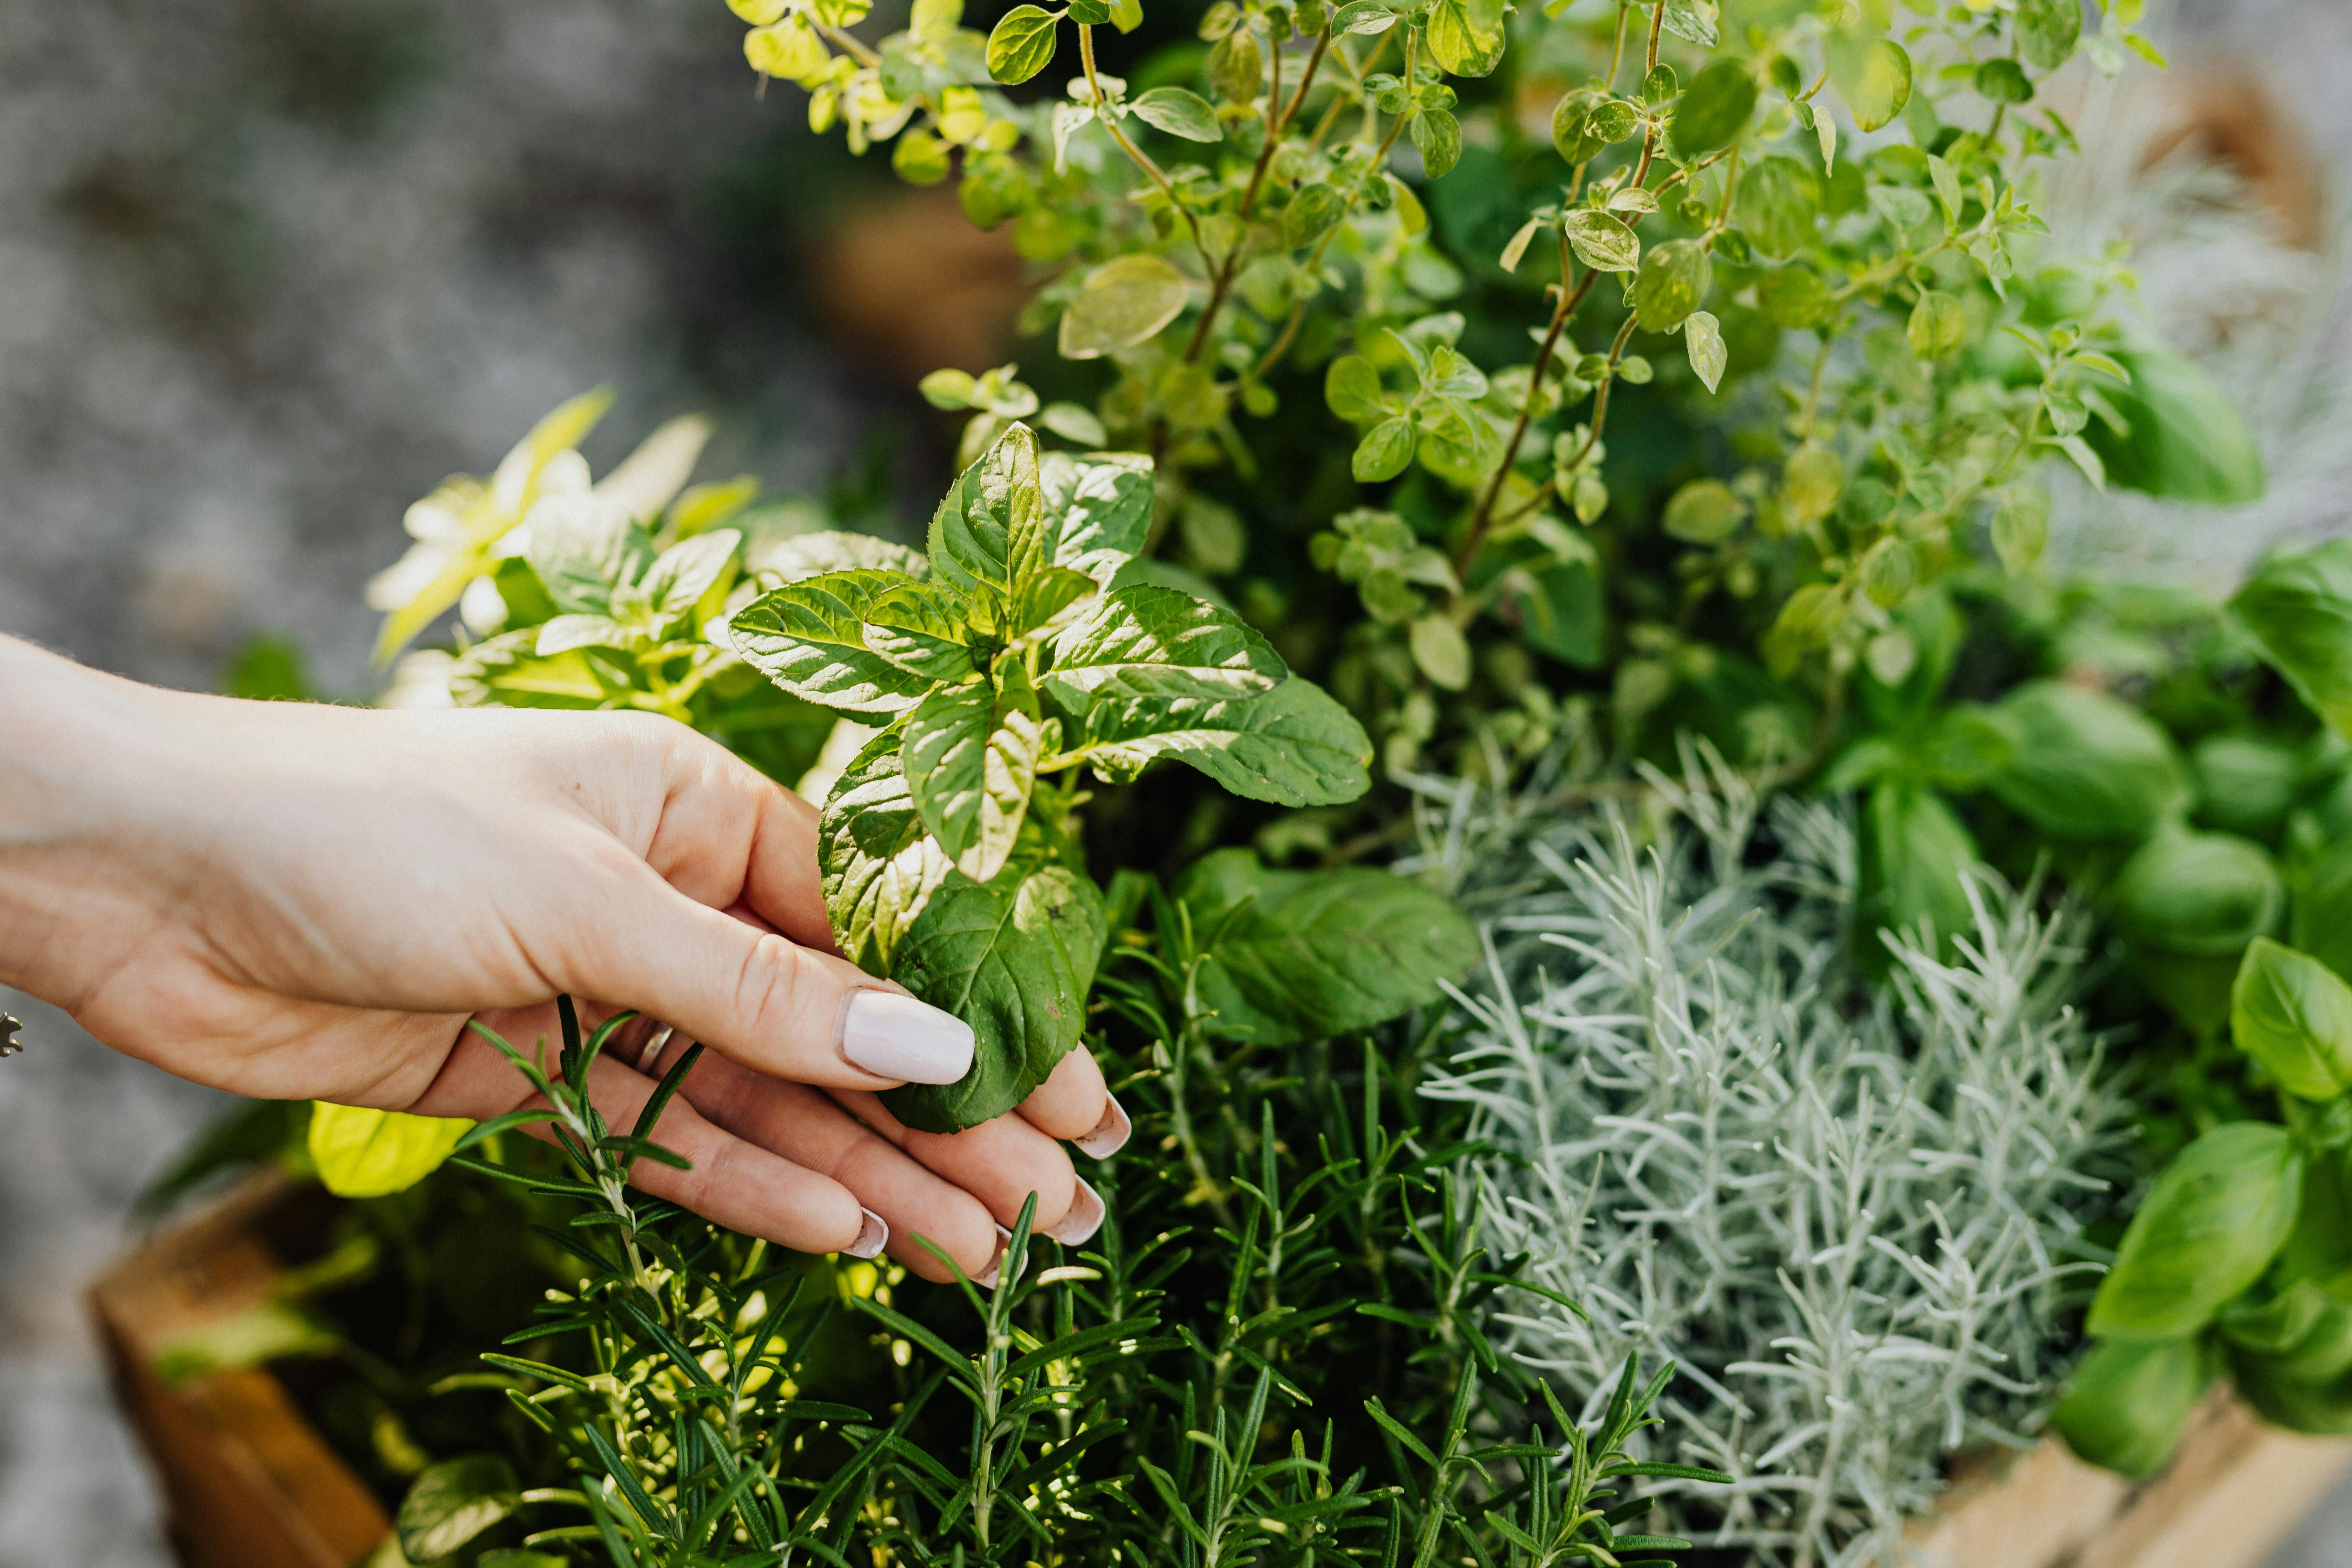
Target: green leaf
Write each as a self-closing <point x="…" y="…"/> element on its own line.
<point x="880" y="864"/>
<point x="506" y="671"/>
<point x="2199" y="894"/>
<point x="1674" y="278"/>
<point x="1352" y="390"/>
<point x="1097" y="508"/>
<point x="1049" y="600"/>
<point x="1703" y="338"/>
<point x="971" y="757"/>
<point x="2290" y="1011"/>
<point x="1792" y="296"/>
<point x="1384" y="452"/>
<point x="2047" y="31"/>
<point x="1873" y="77"/>
<point x="800" y="556"/>
<point x="1013" y="958"/>
<point x="1937" y="324"/>
<point x="581" y="552"/>
<point x="1777" y="205"/>
<point x="1439" y="650"/>
<point x="1301" y="956"/>
<point x="921" y="627"/>
<point x="1913" y="854"/>
<point x="1465" y="41"/>
<point x="1127" y="300"/>
<point x="1602" y="241"/>
<point x="1438" y="136"/>
<point x="1236" y="66"/>
<point x="2298" y="610"/>
<point x="2207" y="1230"/>
<point x="2021" y="528"/>
<point x="681" y="574"/>
<point x="454" y="1501"/>
<point x="566" y="633"/>
<point x="1704" y="511"/>
<point x="1713" y="110"/>
<point x="1693" y="21"/>
<point x="1179" y="114"/>
<point x="2002" y="81"/>
<point x="1293" y="745"/>
<point x="809" y="638"/>
<point x="1146" y="642"/>
<point x="2185" y="440"/>
<point x="2126" y="1404"/>
<point x="1021" y="45"/>
<point x="991" y="522"/>
<point x="2086" y="766"/>
<point x="363" y="1153"/>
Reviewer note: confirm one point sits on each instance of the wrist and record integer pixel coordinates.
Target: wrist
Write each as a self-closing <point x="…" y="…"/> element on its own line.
<point x="78" y="864"/>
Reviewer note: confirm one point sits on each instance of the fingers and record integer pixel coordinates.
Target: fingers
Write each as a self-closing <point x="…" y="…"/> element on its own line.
<point x="734" y="1182"/>
<point x="769" y="1003"/>
<point x="1073" y="1103"/>
<point x="805" y="1127"/>
<point x="999" y="1162"/>
<point x="729" y="833"/>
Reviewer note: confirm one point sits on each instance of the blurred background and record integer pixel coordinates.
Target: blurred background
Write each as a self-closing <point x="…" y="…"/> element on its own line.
<point x="270" y="268"/>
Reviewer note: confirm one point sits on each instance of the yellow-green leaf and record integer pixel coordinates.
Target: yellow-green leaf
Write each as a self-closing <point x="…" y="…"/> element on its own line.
<point x="365" y="1154"/>
<point x="1123" y="302"/>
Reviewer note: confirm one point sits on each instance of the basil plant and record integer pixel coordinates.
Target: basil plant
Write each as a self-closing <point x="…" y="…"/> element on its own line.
<point x="1024" y="651"/>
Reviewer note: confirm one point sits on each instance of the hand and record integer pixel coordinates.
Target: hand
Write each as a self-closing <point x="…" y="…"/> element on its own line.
<point x="298" y="901"/>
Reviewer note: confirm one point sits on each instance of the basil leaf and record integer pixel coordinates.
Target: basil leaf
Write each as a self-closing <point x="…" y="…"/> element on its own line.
<point x="1013" y="959"/>
<point x="2085" y="765"/>
<point x="989" y="524"/>
<point x="2298" y="610"/>
<point x="2322" y="923"/>
<point x="1913" y="854"/>
<point x="2291" y="1014"/>
<point x="920" y="627"/>
<point x="581" y="550"/>
<point x="971" y="758"/>
<point x="681" y="574"/>
<point x="2283" y="1397"/>
<point x="800" y="556"/>
<point x="1097" y="508"/>
<point x="809" y="638"/>
<point x="1302" y="955"/>
<point x="2209" y="1227"/>
<point x="2183" y="438"/>
<point x="1158" y="643"/>
<point x="454" y="1501"/>
<point x="2205" y="895"/>
<point x="507" y="671"/>
<point x="1293" y="746"/>
<point x="2128" y="1402"/>
<point x="881" y="865"/>
<point x="365" y="1154"/>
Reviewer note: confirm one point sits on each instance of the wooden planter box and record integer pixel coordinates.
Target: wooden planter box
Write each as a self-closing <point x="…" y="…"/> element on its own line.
<point x="251" y="1485"/>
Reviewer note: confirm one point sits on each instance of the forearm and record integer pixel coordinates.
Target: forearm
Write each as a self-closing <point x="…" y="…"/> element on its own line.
<point x="80" y="746"/>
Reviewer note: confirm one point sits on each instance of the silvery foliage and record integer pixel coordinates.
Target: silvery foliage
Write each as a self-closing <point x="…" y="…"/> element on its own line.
<point x="1854" y="1215"/>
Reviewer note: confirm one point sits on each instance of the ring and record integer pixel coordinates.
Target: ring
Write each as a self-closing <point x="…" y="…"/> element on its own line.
<point x="654" y="1049"/>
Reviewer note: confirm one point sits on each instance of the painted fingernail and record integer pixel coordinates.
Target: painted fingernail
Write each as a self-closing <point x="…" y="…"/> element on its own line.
<point x="1112" y="1134"/>
<point x="996" y="1264"/>
<point x="1085" y="1218"/>
<point x="872" y="1237"/>
<point x="897" y="1036"/>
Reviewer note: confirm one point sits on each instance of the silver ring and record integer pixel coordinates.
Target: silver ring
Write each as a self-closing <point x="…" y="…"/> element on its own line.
<point x="654" y="1049"/>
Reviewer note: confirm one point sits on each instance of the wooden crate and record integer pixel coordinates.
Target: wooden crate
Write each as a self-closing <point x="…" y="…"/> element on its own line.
<point x="251" y="1485"/>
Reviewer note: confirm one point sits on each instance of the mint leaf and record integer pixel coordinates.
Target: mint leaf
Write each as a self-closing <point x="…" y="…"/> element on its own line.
<point x="881" y="865"/>
<point x="920" y="627"/>
<point x="1293" y="745"/>
<point x="507" y="671"/>
<point x="1097" y="508"/>
<point x="565" y="633"/>
<point x="1301" y="956"/>
<point x="989" y="524"/>
<point x="800" y="556"/>
<point x="1013" y="959"/>
<point x="971" y="758"/>
<point x="1145" y="642"/>
<point x="809" y="638"/>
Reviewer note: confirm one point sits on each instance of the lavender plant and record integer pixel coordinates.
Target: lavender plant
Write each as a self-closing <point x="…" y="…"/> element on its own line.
<point x="1856" y="1218"/>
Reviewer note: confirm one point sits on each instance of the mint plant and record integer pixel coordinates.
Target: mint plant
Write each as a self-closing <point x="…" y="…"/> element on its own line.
<point x="1011" y="658"/>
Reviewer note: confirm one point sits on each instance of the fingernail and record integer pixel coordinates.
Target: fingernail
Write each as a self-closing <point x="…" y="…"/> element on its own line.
<point x="995" y="1265"/>
<point x="872" y="1237"/>
<point x="892" y="1035"/>
<point x="1112" y="1134"/>
<point x="1085" y="1218"/>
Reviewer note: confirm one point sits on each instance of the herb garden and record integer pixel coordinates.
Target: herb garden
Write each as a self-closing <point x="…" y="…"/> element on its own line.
<point x="1492" y="662"/>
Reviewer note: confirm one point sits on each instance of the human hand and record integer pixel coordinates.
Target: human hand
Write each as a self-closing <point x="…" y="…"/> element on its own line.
<point x="292" y="900"/>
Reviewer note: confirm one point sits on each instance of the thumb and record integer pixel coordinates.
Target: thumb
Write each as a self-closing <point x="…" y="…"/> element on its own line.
<point x="762" y="999"/>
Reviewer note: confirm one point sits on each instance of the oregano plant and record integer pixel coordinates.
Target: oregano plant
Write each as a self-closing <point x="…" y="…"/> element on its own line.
<point x="1000" y="667"/>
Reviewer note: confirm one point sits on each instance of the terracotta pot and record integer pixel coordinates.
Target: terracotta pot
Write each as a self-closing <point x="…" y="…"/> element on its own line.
<point x="251" y="1485"/>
